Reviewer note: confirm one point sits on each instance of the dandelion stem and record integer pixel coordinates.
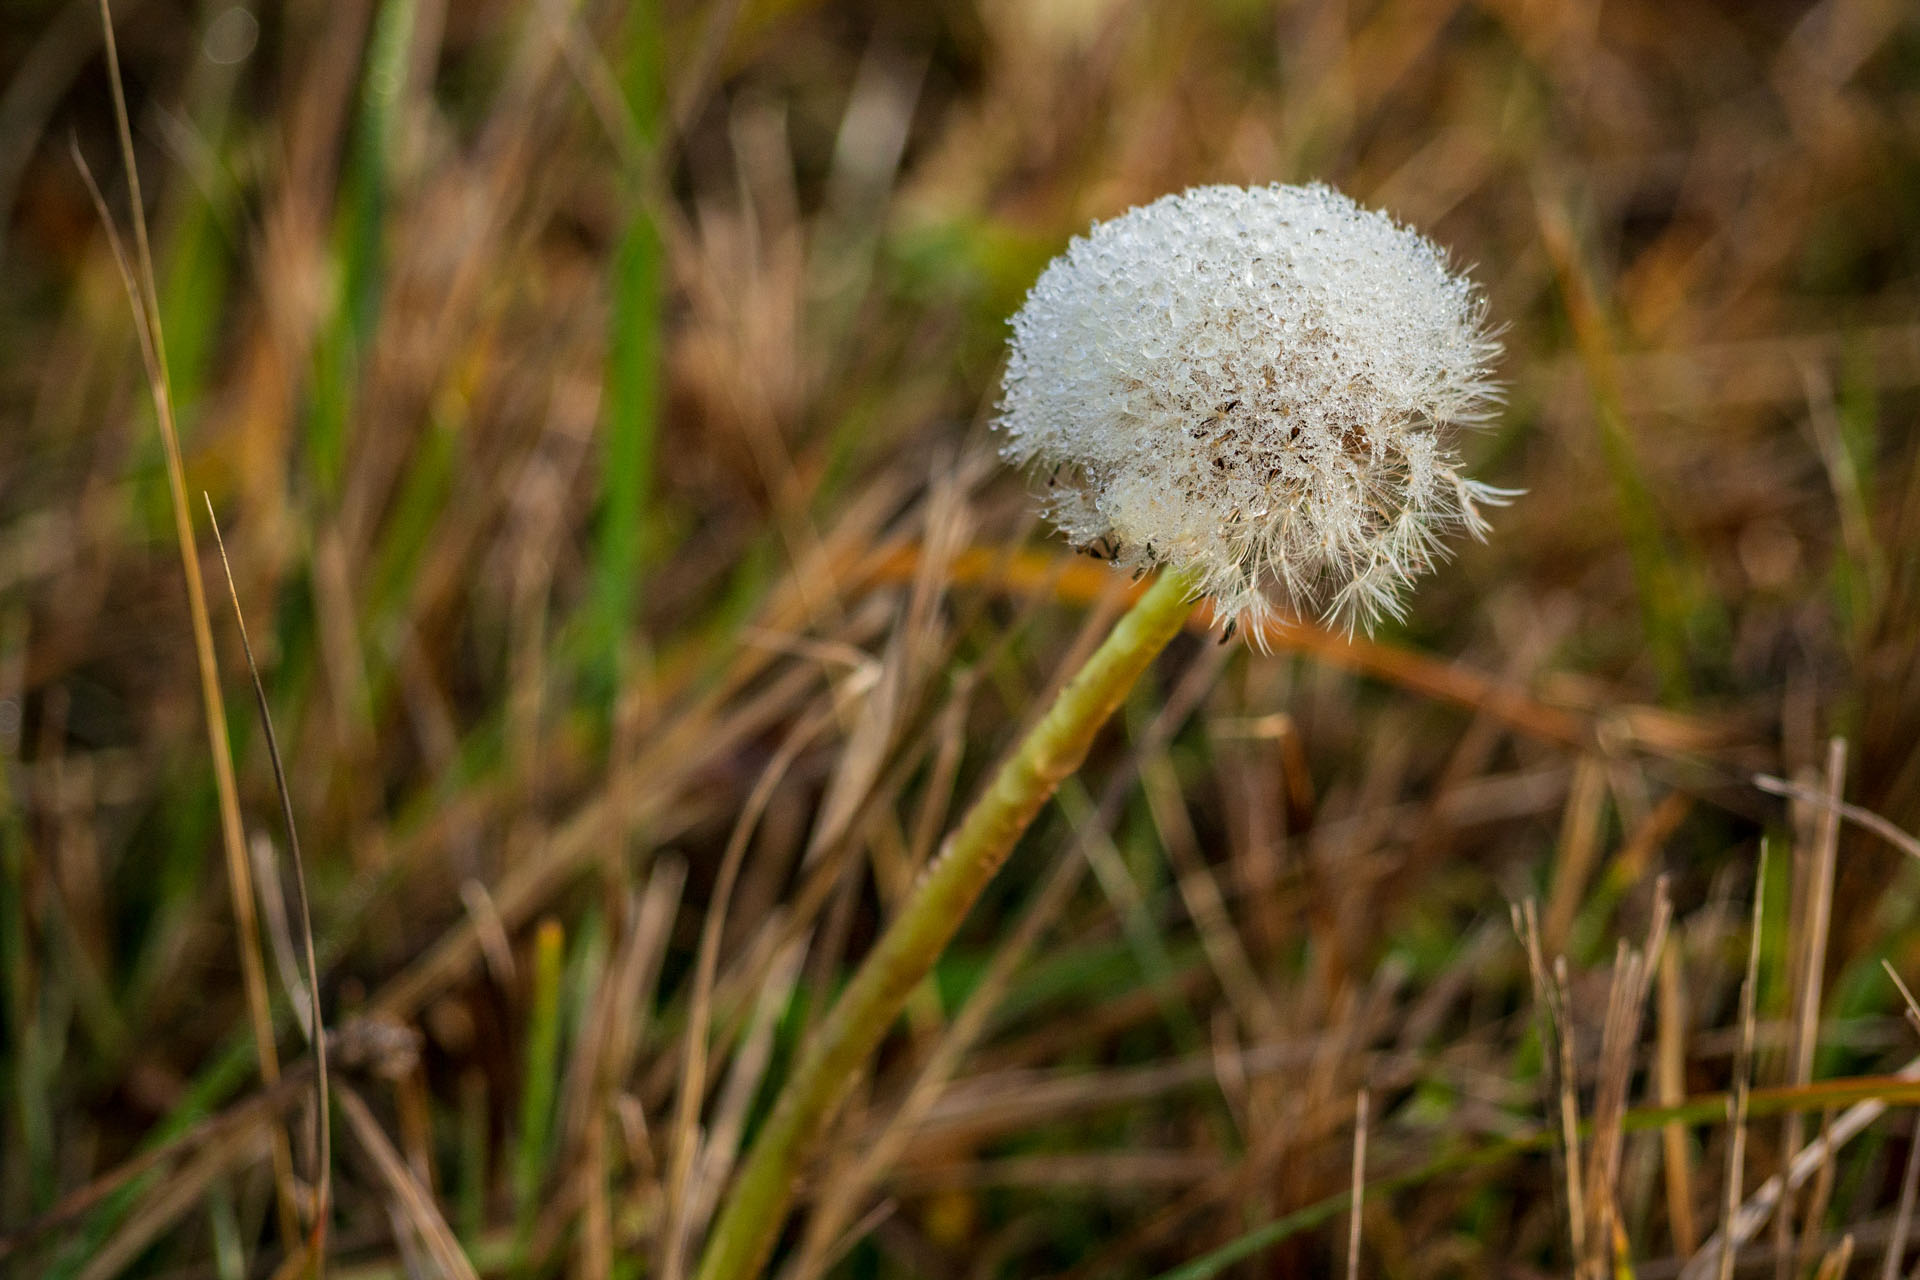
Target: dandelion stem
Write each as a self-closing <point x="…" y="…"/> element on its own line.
<point x="748" y="1224"/>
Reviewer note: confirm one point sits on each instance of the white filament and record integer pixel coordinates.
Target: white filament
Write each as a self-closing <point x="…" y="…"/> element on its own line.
<point x="1258" y="385"/>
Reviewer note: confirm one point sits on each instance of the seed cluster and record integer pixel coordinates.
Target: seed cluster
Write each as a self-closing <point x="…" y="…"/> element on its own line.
<point x="1258" y="385"/>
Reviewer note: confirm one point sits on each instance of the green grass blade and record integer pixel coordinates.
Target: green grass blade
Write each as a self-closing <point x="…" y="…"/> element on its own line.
<point x="360" y="243"/>
<point x="537" y="1091"/>
<point x="631" y="406"/>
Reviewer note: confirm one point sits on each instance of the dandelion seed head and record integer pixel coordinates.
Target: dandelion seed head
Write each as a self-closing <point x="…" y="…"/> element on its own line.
<point x="1260" y="386"/>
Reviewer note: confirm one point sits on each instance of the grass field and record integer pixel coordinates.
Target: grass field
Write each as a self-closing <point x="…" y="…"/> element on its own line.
<point x="594" y="400"/>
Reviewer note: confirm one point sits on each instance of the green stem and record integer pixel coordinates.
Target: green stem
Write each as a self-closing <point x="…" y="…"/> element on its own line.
<point x="749" y="1223"/>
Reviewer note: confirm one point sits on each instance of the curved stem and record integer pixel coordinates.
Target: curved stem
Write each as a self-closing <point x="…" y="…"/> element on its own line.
<point x="750" y="1221"/>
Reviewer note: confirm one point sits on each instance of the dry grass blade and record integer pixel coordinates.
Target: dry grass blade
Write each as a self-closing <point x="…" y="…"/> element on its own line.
<point x="1200" y="892"/>
<point x="1360" y="1109"/>
<point x="1568" y="1079"/>
<point x="1632" y="982"/>
<point x="839" y="1200"/>
<point x="745" y="1072"/>
<point x="1834" y="1265"/>
<point x="176" y="1196"/>
<point x="1910" y="1178"/>
<point x="1103" y="1170"/>
<point x="686" y="1137"/>
<point x="609" y="1041"/>
<point x="214" y="1130"/>
<point x="1747" y="1219"/>
<point x="272" y="901"/>
<point x="1030" y="573"/>
<point x="981" y="1107"/>
<point x="1670" y="1074"/>
<point x="1810" y="967"/>
<point x="317" y="1026"/>
<point x="1896" y="1250"/>
<point x="1577" y="853"/>
<point x="1715" y="1256"/>
<point x="854" y="1234"/>
<point x="1865" y="819"/>
<point x="143" y="295"/>
<point x="1556" y="1027"/>
<point x="415" y="1204"/>
<point x="650" y="791"/>
<point x="1906" y="995"/>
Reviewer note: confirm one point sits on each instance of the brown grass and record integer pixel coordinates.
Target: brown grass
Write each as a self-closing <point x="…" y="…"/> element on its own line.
<point x="594" y="404"/>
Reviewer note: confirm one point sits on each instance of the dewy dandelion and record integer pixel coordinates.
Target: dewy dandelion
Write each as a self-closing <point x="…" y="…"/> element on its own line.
<point x="1246" y="389"/>
<point x="1256" y="385"/>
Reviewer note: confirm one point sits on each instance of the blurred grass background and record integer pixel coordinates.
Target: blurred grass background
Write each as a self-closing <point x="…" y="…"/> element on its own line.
<point x="593" y="397"/>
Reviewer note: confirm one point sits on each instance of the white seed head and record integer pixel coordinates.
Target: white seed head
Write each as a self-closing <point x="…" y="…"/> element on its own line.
<point x="1258" y="386"/>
